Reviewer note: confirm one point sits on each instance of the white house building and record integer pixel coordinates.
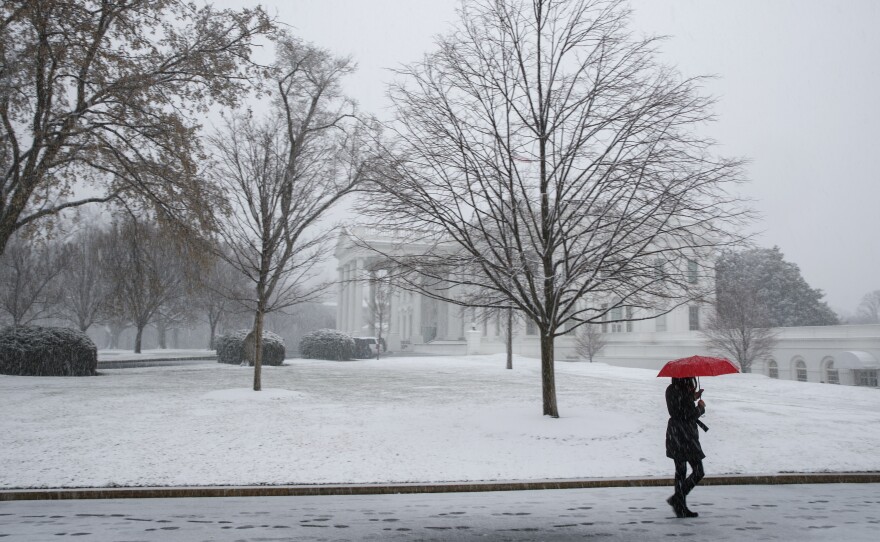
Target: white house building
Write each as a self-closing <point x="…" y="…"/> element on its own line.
<point x="420" y="324"/>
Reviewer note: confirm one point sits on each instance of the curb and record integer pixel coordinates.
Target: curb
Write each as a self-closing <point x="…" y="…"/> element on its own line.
<point x="444" y="487"/>
<point x="150" y="360"/>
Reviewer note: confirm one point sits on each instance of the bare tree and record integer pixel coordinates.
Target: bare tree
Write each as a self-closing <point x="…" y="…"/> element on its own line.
<point x="379" y="303"/>
<point x="589" y="341"/>
<point x="110" y="94"/>
<point x="869" y="308"/>
<point x="114" y="317"/>
<point x="29" y="285"/>
<point x="176" y="312"/>
<point x="280" y="175"/>
<point x="145" y="274"/>
<point x="740" y="331"/>
<point x="86" y="287"/>
<point x="552" y="165"/>
<point x="221" y="289"/>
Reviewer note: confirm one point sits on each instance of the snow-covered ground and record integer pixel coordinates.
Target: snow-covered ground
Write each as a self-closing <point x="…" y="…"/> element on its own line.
<point x="418" y="419"/>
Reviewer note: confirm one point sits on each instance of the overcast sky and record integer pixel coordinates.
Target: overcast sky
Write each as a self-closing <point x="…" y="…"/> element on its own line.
<point x="799" y="95"/>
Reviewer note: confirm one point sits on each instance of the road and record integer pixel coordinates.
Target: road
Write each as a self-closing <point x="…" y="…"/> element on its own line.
<point x="838" y="512"/>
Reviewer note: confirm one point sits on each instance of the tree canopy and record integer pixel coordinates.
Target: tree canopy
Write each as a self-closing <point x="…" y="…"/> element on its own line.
<point x="108" y="95"/>
<point x="785" y="298"/>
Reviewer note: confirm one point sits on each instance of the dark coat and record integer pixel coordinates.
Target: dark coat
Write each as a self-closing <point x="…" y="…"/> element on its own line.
<point x="682" y="435"/>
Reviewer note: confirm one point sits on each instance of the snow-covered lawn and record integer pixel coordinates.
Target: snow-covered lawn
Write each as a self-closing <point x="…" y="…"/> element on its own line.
<point x="409" y="420"/>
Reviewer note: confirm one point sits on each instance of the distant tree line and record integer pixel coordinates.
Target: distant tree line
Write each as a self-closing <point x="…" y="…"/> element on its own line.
<point x="112" y="96"/>
<point x="130" y="274"/>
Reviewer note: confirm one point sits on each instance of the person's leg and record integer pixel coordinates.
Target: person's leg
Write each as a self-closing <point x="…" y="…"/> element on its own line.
<point x="677" y="500"/>
<point x="692" y="480"/>
<point x="697" y="474"/>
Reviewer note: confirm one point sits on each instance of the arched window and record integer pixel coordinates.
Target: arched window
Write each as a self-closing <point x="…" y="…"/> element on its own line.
<point x="800" y="368"/>
<point x="772" y="369"/>
<point x="832" y="375"/>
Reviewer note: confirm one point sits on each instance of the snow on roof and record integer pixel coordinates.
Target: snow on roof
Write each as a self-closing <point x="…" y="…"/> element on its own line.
<point x="856" y="359"/>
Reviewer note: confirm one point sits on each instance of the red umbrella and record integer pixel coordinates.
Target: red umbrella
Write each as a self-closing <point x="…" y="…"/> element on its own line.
<point x="697" y="366"/>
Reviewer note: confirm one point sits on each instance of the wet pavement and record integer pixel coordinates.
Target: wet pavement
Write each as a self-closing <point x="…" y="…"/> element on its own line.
<point x="841" y="512"/>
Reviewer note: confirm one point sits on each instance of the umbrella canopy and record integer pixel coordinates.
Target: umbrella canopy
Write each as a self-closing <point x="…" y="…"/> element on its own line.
<point x="697" y="366"/>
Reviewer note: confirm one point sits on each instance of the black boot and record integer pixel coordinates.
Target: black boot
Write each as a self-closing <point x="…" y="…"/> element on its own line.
<point x="688" y="513"/>
<point x="676" y="505"/>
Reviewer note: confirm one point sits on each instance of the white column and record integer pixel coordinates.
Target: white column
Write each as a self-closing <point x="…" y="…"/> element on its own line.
<point x="343" y="324"/>
<point x="416" y="327"/>
<point x="349" y="298"/>
<point x="358" y="298"/>
<point x="340" y="292"/>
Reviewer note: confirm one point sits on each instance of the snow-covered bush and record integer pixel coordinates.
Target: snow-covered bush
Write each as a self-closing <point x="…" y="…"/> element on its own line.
<point x="327" y="344"/>
<point x="46" y="351"/>
<point x="230" y="348"/>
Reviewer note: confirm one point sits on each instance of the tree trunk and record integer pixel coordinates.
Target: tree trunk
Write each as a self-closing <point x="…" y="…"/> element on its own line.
<point x="137" y="338"/>
<point x="213" y="332"/>
<point x="548" y="377"/>
<point x="258" y="349"/>
<point x="161" y="330"/>
<point x="509" y="338"/>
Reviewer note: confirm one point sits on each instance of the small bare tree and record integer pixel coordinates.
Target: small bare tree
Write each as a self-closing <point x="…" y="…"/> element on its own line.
<point x="280" y="175"/>
<point x="220" y="294"/>
<point x="741" y="331"/>
<point x="869" y="308"/>
<point x="86" y="287"/>
<point x="589" y="341"/>
<point x="146" y="272"/>
<point x="29" y="280"/>
<point x="379" y="303"/>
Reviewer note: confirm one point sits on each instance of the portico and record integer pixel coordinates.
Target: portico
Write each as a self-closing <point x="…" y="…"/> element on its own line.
<point x="409" y="318"/>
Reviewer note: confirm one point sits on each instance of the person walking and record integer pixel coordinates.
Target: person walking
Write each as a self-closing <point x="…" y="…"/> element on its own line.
<point x="683" y="440"/>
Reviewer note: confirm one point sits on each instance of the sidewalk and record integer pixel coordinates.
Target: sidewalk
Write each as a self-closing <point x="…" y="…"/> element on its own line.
<point x="737" y="513"/>
<point x="447" y="487"/>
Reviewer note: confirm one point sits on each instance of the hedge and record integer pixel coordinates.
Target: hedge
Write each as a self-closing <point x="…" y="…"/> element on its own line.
<point x="47" y="351"/>
<point x="230" y="348"/>
<point x="327" y="344"/>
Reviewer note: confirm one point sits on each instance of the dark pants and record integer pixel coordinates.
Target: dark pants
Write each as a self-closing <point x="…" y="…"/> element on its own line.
<point x="683" y="483"/>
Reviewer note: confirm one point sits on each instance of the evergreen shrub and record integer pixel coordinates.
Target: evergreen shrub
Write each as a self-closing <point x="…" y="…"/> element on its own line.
<point x="230" y="348"/>
<point x="327" y="344"/>
<point x="47" y="351"/>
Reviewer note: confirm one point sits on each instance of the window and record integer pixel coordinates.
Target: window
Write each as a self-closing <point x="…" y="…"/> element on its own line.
<point x="659" y="272"/>
<point x="693" y="318"/>
<point x="692" y="271"/>
<point x="660" y="323"/>
<point x="531" y="328"/>
<point x="604" y="317"/>
<point x="865" y="377"/>
<point x="800" y="369"/>
<point x="616" y="314"/>
<point x="561" y="328"/>
<point x="629" y="315"/>
<point x="772" y="369"/>
<point x="832" y="375"/>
